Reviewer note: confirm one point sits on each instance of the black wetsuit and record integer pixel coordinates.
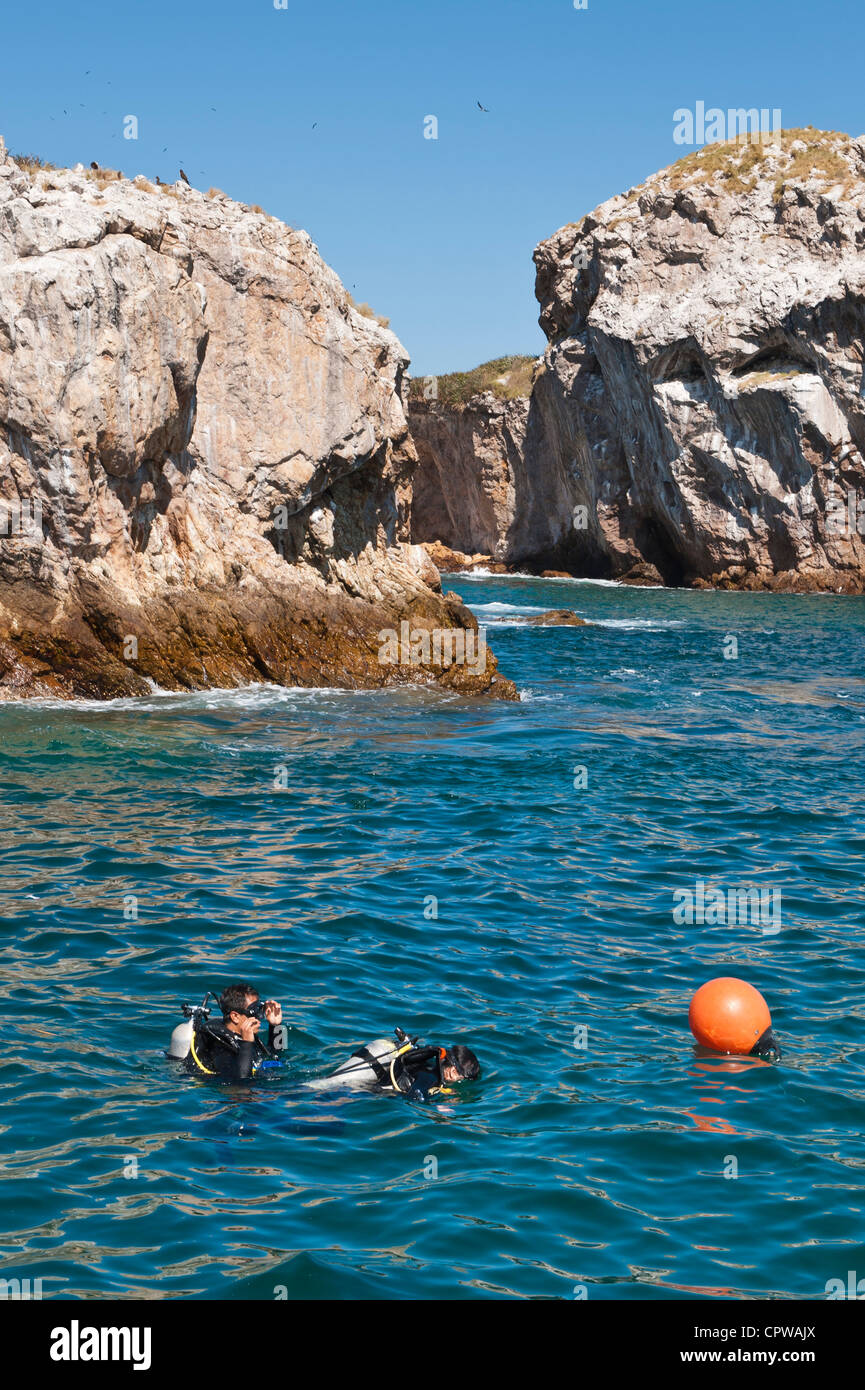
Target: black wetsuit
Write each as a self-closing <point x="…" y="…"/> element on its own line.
<point x="227" y="1055"/>
<point x="423" y="1083"/>
<point x="418" y="1073"/>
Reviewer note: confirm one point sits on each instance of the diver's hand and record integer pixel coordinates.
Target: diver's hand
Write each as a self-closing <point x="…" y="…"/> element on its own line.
<point x="273" y="1012"/>
<point x="248" y="1029"/>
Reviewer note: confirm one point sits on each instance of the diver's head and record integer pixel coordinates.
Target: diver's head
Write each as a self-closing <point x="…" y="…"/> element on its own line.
<point x="460" y="1064"/>
<point x="239" y="1002"/>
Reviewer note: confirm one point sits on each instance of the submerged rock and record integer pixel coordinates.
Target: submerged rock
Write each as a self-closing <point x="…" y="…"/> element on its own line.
<point x="205" y="466"/>
<point x="555" y="617"/>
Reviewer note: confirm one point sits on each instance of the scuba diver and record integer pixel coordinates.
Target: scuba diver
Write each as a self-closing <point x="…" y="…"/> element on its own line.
<point x="403" y="1068"/>
<point x="230" y="1050"/>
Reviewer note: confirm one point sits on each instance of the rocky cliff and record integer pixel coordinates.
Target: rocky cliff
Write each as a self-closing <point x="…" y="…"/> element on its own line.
<point x="470" y="485"/>
<point x="702" y="388"/>
<point x="478" y="488"/>
<point x="698" y="414"/>
<point x="205" y="466"/>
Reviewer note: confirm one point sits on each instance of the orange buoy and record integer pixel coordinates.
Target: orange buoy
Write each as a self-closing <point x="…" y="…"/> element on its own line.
<point x="728" y="1015"/>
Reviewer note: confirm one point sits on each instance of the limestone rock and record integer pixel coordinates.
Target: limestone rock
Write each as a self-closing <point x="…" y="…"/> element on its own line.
<point x="469" y="487"/>
<point x="698" y="414"/>
<point x="701" y="392"/>
<point x="205" y="466"/>
<point x="555" y="617"/>
<point x="452" y="561"/>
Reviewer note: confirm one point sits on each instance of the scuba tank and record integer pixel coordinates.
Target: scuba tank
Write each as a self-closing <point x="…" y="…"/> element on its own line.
<point x="380" y="1063"/>
<point x="358" y="1071"/>
<point x="181" y="1042"/>
<point x="181" y="1039"/>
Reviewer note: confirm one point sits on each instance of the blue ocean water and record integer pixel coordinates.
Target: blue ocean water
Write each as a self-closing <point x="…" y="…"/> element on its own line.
<point x="430" y="863"/>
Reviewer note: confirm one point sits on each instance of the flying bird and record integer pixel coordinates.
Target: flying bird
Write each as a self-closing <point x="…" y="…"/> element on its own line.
<point x="314" y="124"/>
<point x="483" y="108"/>
<point x="185" y="179"/>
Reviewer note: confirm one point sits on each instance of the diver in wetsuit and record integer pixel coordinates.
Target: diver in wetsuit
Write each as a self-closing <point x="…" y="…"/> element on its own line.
<point x="459" y="1063"/>
<point x="232" y="1050"/>
<point x="417" y="1072"/>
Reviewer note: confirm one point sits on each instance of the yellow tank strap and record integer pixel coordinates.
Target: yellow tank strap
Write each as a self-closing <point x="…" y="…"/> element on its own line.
<point x="198" y="1061"/>
<point x="396" y="1055"/>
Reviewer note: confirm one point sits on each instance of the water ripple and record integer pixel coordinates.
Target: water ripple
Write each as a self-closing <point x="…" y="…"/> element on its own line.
<point x="430" y="862"/>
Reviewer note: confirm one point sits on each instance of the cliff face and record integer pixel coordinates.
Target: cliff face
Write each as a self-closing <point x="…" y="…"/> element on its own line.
<point x="469" y="486"/>
<point x="481" y="486"/>
<point x="205" y="467"/>
<point x="698" y="414"/>
<point x="701" y="396"/>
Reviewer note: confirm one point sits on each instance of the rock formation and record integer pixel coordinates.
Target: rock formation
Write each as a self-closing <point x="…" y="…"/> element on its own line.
<point x="205" y="467"/>
<point x="469" y="487"/>
<point x="554" y="617"/>
<point x="453" y="561"/>
<point x="697" y="416"/>
<point x="475" y="440"/>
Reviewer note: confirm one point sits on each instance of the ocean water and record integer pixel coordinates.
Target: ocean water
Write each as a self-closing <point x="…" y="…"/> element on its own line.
<point x="430" y="863"/>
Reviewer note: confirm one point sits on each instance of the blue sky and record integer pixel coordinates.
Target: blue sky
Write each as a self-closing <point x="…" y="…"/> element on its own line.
<point x="437" y="234"/>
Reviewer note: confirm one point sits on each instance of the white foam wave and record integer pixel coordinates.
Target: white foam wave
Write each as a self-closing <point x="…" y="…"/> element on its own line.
<point x="494" y="610"/>
<point x="630" y="624"/>
<point x="529" y="696"/>
<point x="481" y="573"/>
<point x="236" y="697"/>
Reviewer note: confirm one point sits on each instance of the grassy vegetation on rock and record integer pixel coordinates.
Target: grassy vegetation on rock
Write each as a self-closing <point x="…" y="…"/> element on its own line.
<point x="737" y="164"/>
<point x="31" y="163"/>
<point x="367" y="311"/>
<point x="507" y="378"/>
